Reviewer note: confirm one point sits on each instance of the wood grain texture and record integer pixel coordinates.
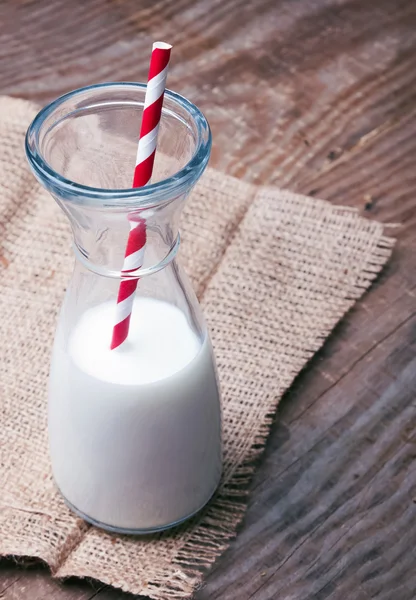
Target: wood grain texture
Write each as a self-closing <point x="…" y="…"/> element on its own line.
<point x="318" y="96"/>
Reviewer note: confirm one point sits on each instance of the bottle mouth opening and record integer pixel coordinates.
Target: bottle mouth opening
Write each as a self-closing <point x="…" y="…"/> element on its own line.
<point x="96" y="99"/>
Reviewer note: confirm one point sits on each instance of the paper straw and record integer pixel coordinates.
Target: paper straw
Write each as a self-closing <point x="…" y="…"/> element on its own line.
<point x="133" y="258"/>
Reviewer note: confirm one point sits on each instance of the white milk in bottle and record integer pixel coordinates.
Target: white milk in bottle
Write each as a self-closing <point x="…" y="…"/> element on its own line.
<point x="135" y="433"/>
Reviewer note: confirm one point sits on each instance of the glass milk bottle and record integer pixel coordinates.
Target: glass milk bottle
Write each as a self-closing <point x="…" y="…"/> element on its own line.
<point x="135" y="432"/>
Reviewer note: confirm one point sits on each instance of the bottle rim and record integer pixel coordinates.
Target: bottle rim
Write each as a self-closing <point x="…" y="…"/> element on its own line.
<point x="150" y="195"/>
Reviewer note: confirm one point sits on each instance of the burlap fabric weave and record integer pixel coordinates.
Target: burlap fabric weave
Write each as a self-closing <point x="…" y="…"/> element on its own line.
<point x="274" y="272"/>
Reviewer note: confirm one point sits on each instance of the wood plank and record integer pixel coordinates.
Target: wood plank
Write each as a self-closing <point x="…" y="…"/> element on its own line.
<point x="36" y="584"/>
<point x="9" y="574"/>
<point x="342" y="509"/>
<point x="318" y="96"/>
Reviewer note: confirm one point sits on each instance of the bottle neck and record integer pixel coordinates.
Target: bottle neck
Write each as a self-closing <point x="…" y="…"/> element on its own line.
<point x="101" y="238"/>
<point x="141" y="272"/>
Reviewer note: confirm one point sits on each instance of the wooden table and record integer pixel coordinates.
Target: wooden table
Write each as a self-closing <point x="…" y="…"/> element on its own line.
<point x="318" y="96"/>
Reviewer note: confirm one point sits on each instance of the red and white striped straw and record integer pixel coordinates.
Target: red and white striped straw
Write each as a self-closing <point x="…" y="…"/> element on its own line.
<point x="133" y="258"/>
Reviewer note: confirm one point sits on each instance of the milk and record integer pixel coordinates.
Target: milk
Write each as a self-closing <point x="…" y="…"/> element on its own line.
<point x="135" y="433"/>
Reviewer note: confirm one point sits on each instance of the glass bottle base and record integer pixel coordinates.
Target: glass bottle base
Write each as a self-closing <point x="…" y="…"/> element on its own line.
<point x="133" y="531"/>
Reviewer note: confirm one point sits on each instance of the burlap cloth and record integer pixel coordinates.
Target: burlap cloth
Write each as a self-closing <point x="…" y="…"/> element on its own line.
<point x="274" y="271"/>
